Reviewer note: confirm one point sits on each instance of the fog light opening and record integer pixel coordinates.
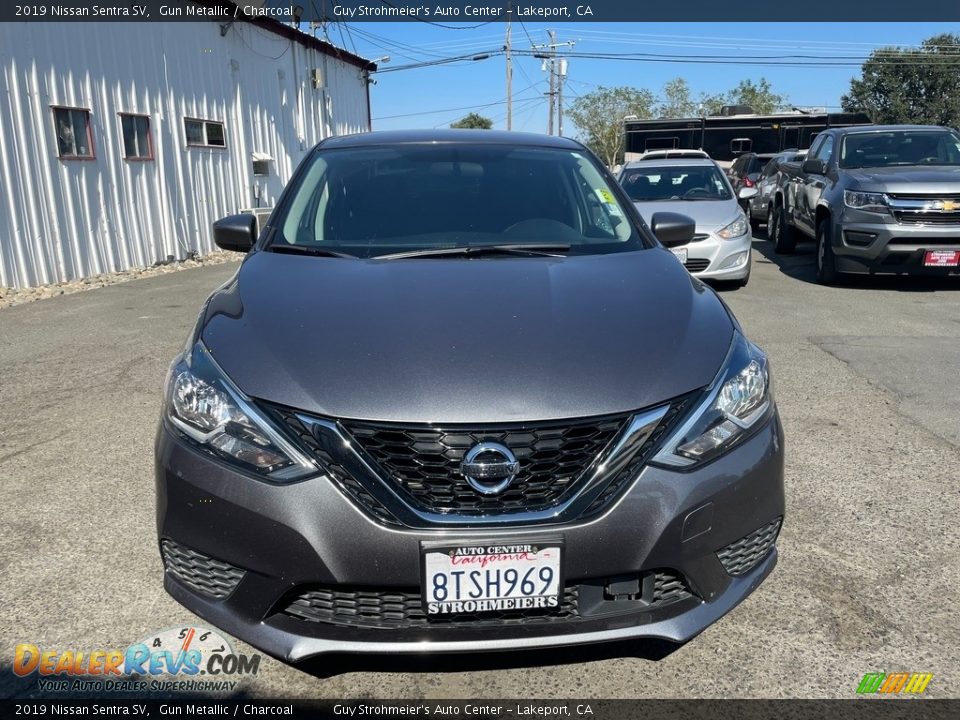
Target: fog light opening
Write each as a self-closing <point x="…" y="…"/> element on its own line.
<point x="735" y="261"/>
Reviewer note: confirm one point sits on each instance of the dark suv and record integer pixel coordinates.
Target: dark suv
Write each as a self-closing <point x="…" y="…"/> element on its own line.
<point x="459" y="397"/>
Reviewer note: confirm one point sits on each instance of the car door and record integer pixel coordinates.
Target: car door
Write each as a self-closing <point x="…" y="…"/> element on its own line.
<point x="814" y="185"/>
<point x="765" y="185"/>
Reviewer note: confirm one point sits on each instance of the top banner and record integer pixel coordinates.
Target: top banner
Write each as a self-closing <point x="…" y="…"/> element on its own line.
<point x="466" y="13"/>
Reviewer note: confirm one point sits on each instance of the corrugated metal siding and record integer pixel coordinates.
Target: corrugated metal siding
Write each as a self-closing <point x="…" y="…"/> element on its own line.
<point x="67" y="219"/>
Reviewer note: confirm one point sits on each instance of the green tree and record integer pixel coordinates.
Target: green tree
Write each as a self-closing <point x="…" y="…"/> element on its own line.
<point x="917" y="85"/>
<point x="474" y="122"/>
<point x="759" y="96"/>
<point x="710" y="104"/>
<point x="677" y="101"/>
<point x="599" y="115"/>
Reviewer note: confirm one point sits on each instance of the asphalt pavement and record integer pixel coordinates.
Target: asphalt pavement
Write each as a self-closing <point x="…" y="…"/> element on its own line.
<point x="866" y="380"/>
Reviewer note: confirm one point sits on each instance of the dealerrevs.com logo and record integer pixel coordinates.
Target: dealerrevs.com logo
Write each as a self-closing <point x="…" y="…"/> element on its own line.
<point x="181" y="659"/>
<point x="894" y="683"/>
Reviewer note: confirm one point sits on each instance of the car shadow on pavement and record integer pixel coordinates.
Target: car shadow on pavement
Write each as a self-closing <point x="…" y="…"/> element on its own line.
<point x="332" y="665"/>
<point x="801" y="265"/>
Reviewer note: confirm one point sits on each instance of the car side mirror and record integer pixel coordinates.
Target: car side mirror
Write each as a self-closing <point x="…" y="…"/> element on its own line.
<point x="747" y="192"/>
<point x="235" y="232"/>
<point x="673" y="229"/>
<point x="814" y="166"/>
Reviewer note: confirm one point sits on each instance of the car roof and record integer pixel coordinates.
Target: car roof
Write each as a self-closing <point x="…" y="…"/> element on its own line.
<point x="673" y="153"/>
<point x="884" y="128"/>
<point x="449" y="135"/>
<point x="670" y="162"/>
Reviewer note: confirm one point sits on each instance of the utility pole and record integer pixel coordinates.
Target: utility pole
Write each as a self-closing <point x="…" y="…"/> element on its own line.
<point x="561" y="76"/>
<point x="509" y="70"/>
<point x="552" y="70"/>
<point x="558" y="71"/>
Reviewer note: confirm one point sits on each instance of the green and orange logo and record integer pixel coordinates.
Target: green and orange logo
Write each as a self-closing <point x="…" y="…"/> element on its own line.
<point x="894" y="683"/>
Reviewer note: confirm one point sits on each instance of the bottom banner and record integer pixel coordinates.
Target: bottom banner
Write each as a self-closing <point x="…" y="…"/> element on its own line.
<point x="863" y="709"/>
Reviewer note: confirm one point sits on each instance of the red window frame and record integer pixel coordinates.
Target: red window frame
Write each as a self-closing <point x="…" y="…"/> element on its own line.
<point x="93" y="151"/>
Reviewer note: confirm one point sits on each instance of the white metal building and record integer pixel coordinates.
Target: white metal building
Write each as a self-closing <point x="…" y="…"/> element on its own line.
<point x="121" y="143"/>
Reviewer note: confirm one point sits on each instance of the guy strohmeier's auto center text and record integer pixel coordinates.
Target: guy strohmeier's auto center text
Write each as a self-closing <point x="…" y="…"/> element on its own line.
<point x="480" y="10"/>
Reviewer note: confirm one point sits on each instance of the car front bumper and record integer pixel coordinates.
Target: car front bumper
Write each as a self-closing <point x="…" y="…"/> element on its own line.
<point x="279" y="540"/>
<point x="867" y="243"/>
<point x="713" y="258"/>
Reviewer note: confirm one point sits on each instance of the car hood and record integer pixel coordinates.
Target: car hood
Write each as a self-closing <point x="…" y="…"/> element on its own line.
<point x="467" y="340"/>
<point x="709" y="214"/>
<point x="908" y="179"/>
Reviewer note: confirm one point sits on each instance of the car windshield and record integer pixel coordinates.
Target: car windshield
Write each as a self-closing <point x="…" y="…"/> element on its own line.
<point x="401" y="199"/>
<point x="900" y="147"/>
<point x="675" y="182"/>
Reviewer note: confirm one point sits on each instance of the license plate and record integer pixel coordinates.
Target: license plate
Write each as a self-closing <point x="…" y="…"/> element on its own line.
<point x="941" y="258"/>
<point x="681" y="254"/>
<point x="488" y="578"/>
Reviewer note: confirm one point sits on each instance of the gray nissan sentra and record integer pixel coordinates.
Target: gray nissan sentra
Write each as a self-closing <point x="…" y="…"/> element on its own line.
<point x="460" y="397"/>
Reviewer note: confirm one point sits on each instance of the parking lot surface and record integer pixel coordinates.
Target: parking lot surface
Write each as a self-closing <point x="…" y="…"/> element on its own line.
<point x="868" y="580"/>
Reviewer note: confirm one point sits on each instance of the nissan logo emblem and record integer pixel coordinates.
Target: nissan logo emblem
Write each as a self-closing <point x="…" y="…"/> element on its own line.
<point x="489" y="468"/>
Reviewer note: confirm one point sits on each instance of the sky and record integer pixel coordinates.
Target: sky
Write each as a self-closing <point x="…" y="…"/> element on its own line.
<point x="436" y="96"/>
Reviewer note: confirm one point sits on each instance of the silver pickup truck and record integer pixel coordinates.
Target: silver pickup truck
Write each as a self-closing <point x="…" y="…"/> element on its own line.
<point x="878" y="199"/>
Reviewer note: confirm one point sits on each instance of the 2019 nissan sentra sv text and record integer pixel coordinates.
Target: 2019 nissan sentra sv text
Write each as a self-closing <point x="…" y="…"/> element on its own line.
<point x="458" y="397"/>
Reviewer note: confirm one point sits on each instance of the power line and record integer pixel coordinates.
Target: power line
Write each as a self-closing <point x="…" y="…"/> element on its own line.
<point x="771" y="61"/>
<point x="443" y="61"/>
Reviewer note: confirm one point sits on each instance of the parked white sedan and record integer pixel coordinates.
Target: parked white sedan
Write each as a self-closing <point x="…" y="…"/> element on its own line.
<point x="696" y="187"/>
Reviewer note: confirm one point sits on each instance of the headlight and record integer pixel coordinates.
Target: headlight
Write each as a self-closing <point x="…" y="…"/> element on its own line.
<point x="203" y="404"/>
<point x="738" y="401"/>
<point x="871" y="202"/>
<point x="735" y="229"/>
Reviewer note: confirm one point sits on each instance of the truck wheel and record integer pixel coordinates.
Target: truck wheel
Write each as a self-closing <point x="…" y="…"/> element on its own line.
<point x="826" y="262"/>
<point x="785" y="242"/>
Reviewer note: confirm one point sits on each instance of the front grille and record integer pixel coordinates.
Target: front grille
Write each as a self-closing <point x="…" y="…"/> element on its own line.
<point x="924" y="197"/>
<point x="696" y="264"/>
<point x="623" y="478"/>
<point x="928" y="218"/>
<point x="403" y="608"/>
<point x="344" y="480"/>
<point x="213" y="578"/>
<point x="424" y="461"/>
<point x="744" y="555"/>
<point x="700" y="237"/>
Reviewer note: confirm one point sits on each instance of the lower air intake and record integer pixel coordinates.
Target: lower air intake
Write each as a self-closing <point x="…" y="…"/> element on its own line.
<point x="201" y="573"/>
<point x="746" y="553"/>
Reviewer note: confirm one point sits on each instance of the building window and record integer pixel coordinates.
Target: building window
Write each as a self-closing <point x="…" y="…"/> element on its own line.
<point x="204" y="133"/>
<point x="74" y="136"/>
<point x="137" y="143"/>
<point x="741" y="145"/>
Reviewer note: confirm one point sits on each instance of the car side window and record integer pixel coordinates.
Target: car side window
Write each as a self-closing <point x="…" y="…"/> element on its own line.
<point x="816" y="146"/>
<point x="825" y="150"/>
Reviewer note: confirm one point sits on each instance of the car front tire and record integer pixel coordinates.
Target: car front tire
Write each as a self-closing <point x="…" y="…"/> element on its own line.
<point x="826" y="260"/>
<point x="785" y="241"/>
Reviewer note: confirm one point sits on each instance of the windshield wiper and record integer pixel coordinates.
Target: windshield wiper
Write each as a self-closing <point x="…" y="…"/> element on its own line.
<point x="307" y="250"/>
<point x="549" y="250"/>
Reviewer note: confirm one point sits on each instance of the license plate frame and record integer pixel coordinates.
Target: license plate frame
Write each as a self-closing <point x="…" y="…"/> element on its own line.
<point x="482" y="603"/>
<point x="681" y="254"/>
<point x="941" y="258"/>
